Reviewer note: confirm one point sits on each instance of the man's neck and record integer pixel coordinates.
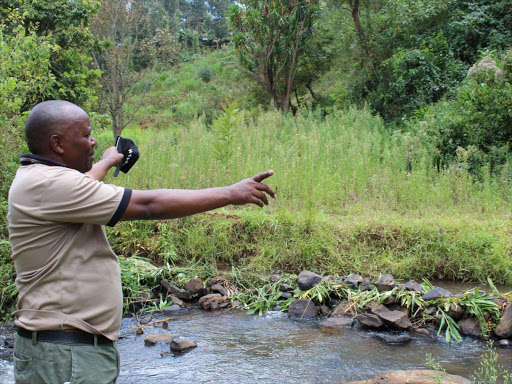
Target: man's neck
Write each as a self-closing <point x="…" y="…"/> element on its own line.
<point x="28" y="159"/>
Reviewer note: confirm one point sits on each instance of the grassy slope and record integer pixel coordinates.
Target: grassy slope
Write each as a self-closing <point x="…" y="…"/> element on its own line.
<point x="346" y="202"/>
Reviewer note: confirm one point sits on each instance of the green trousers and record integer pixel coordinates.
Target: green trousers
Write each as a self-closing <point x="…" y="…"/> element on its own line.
<point x="57" y="363"/>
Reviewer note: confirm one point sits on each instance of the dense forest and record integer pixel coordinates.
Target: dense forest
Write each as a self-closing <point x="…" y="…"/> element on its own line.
<point x="426" y="83"/>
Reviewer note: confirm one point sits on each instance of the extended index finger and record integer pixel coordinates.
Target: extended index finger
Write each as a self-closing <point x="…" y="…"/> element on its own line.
<point x="262" y="176"/>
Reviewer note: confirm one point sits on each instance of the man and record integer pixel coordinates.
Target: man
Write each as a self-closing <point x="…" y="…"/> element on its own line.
<point x="70" y="298"/>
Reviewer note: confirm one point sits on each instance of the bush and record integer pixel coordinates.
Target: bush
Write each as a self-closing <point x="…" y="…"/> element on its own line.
<point x="205" y="74"/>
<point x="472" y="129"/>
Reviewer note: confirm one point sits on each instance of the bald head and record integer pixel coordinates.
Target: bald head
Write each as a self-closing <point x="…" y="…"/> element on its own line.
<point x="49" y="118"/>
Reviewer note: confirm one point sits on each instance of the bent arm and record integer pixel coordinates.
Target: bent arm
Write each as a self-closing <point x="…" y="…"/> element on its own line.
<point x="173" y="203"/>
<point x="110" y="159"/>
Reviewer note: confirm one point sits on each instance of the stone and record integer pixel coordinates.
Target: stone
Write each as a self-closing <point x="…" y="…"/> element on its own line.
<point x="324" y="310"/>
<point x="335" y="323"/>
<point x="342" y="309"/>
<point x="286" y="295"/>
<point x="213" y="301"/>
<point x="421" y="331"/>
<point x="274" y="278"/>
<point x="215" y="280"/>
<point x="354" y="280"/>
<point x="504" y="328"/>
<point x="302" y="309"/>
<point x="436" y="293"/>
<point x="392" y="339"/>
<point x="220" y="289"/>
<point x="307" y="280"/>
<point x="470" y="327"/>
<point x="195" y="286"/>
<point x="413" y="286"/>
<point x="395" y="318"/>
<point x="176" y="301"/>
<point x="171" y="309"/>
<point x="164" y="353"/>
<point x="423" y="376"/>
<point x="369" y="320"/>
<point x="145" y="319"/>
<point x="174" y="290"/>
<point x="397" y="307"/>
<point x="164" y="338"/>
<point x="286" y="288"/>
<point x="456" y="312"/>
<point x="366" y="287"/>
<point x="181" y="345"/>
<point x="386" y="283"/>
<point x="505" y="343"/>
<point x="9" y="342"/>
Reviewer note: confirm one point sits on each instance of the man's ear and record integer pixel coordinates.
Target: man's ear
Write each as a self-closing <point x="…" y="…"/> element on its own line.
<point x="56" y="144"/>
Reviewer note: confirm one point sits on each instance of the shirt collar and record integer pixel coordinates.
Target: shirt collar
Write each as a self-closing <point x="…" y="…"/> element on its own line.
<point x="28" y="159"/>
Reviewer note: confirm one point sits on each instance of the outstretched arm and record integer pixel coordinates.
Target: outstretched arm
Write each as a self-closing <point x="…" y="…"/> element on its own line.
<point x="174" y="203"/>
<point x="110" y="159"/>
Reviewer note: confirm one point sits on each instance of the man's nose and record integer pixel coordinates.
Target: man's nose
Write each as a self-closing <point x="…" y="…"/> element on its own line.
<point x="93" y="141"/>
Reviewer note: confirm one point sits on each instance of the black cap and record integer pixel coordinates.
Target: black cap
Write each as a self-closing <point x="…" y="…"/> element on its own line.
<point x="130" y="152"/>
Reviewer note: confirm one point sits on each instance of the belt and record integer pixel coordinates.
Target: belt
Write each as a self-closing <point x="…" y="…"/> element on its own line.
<point x="74" y="337"/>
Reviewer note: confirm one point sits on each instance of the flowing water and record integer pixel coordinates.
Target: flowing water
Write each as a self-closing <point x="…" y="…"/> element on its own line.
<point x="234" y="347"/>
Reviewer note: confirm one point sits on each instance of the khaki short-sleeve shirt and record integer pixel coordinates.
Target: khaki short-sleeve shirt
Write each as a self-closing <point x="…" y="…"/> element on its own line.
<point x="68" y="277"/>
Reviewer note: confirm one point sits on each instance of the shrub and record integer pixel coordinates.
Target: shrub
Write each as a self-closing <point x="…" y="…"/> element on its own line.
<point x="205" y="74"/>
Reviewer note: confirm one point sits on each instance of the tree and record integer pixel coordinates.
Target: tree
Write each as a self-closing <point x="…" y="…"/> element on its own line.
<point x="63" y="24"/>
<point x="270" y="38"/>
<point x="126" y="56"/>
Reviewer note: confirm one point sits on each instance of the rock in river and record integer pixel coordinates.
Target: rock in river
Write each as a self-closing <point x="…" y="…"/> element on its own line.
<point x="504" y="328"/>
<point x="181" y="345"/>
<point x="213" y="301"/>
<point x="174" y="290"/>
<point x="414" y="377"/>
<point x="335" y="323"/>
<point x="302" y="309"/>
<point x="370" y="321"/>
<point x="392" y="339"/>
<point x="470" y="327"/>
<point x="395" y="318"/>
<point x="165" y="338"/>
<point x="195" y="286"/>
<point x="307" y="280"/>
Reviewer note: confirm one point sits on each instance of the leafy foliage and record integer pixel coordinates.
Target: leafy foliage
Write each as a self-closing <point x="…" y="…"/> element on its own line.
<point x="270" y="38"/>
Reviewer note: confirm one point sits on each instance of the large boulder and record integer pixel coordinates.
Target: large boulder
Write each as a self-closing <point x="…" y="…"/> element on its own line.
<point x="386" y="283"/>
<point x="335" y="323"/>
<point x="395" y="318"/>
<point x="302" y="309"/>
<point x="307" y="280"/>
<point x="504" y="328"/>
<point x="213" y="301"/>
<point x="220" y="289"/>
<point x="413" y="377"/>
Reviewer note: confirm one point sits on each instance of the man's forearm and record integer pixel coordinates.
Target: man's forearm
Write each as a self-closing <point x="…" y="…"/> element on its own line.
<point x="100" y="169"/>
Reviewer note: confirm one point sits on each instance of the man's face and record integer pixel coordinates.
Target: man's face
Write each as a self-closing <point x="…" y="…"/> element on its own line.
<point x="78" y="144"/>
